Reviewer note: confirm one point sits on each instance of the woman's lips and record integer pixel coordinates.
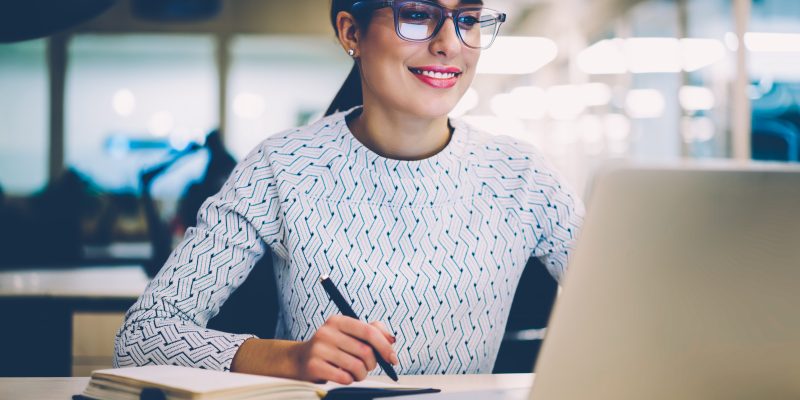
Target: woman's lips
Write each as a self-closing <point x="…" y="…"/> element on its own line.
<point x="440" y="78"/>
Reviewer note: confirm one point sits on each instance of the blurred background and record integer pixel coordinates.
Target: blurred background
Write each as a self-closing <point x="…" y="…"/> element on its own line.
<point x="115" y="129"/>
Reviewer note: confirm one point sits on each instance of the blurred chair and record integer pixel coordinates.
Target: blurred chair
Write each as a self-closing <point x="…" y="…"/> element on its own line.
<point x="775" y="140"/>
<point x="528" y="318"/>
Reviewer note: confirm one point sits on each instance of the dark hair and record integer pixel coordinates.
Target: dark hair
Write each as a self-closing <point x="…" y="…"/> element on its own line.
<point x="349" y="94"/>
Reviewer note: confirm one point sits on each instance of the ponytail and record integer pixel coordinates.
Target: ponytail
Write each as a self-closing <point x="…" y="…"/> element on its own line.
<point x="349" y="94"/>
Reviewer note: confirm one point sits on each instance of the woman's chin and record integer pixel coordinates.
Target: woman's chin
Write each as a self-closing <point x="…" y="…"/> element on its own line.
<point x="434" y="108"/>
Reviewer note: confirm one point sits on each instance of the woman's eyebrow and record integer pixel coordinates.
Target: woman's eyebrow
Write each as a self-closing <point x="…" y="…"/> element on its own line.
<point x="466" y="3"/>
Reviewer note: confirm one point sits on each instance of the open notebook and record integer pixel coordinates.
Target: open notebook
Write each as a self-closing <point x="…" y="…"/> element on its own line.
<point x="200" y="384"/>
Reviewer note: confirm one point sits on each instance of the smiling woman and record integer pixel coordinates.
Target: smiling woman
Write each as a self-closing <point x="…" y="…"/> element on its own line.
<point x="414" y="58"/>
<point x="424" y="222"/>
<point x="416" y="21"/>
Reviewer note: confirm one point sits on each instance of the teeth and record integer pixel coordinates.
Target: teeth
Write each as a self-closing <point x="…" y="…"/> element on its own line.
<point x="438" y="75"/>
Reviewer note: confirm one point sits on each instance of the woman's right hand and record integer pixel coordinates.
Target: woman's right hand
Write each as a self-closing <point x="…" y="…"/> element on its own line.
<point x="341" y="351"/>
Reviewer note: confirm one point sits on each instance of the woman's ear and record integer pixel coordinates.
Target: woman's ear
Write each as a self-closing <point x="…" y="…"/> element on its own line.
<point x="348" y="33"/>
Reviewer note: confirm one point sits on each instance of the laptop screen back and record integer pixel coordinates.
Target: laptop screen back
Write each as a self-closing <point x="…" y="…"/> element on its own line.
<point x="685" y="284"/>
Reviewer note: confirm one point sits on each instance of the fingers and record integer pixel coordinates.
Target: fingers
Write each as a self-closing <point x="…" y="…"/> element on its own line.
<point x="374" y="336"/>
<point x="343" y="350"/>
<point x="355" y="367"/>
<point x="320" y="371"/>
<point x="358" y="349"/>
<point x="382" y="327"/>
<point x="322" y="360"/>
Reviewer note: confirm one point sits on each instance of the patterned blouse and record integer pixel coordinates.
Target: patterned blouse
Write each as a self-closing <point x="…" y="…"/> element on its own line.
<point x="432" y="248"/>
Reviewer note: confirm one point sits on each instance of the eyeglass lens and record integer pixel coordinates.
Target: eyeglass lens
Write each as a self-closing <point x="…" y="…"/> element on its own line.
<point x="418" y="21"/>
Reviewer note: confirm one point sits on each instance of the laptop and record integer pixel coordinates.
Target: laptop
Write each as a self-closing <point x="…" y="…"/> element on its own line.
<point x="685" y="284"/>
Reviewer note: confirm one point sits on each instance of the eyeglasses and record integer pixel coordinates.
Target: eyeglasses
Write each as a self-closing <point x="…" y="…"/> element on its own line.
<point x="420" y="21"/>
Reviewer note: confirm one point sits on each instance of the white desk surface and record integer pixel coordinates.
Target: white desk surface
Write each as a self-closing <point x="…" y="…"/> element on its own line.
<point x="64" y="388"/>
<point x="118" y="282"/>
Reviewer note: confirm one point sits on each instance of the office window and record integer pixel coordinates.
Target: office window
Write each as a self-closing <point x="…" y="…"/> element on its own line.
<point x="773" y="45"/>
<point x="24" y="117"/>
<point x="679" y="75"/>
<point x="646" y="80"/>
<point x="279" y="82"/>
<point x="132" y="101"/>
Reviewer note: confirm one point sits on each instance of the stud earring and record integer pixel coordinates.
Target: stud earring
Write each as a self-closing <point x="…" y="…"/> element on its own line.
<point x="351" y="53"/>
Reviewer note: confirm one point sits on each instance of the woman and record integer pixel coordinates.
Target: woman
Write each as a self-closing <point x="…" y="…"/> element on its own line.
<point x="425" y="224"/>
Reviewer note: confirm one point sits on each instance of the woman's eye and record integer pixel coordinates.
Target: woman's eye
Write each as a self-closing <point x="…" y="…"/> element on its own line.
<point x="467" y="21"/>
<point x="416" y="16"/>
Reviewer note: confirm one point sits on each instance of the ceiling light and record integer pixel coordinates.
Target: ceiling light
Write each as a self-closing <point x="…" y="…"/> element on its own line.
<point x="603" y="57"/>
<point x="653" y="55"/>
<point x="649" y="55"/>
<point x="595" y="94"/>
<point x="731" y="41"/>
<point x="517" y="55"/>
<point x="772" y="42"/>
<point x="645" y="103"/>
<point x="696" y="98"/>
<point x="700" y="53"/>
<point x="124" y="102"/>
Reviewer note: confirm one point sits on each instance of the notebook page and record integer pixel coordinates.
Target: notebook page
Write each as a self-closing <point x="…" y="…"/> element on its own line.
<point x="193" y="380"/>
<point x="365" y="384"/>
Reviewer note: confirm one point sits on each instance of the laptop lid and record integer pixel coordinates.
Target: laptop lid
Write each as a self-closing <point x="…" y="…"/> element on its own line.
<point x="685" y="284"/>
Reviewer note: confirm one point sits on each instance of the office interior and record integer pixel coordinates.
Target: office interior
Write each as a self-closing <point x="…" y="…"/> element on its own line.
<point x="112" y="132"/>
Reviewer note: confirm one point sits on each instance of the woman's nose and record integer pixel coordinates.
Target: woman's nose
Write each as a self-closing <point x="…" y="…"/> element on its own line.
<point x="446" y="41"/>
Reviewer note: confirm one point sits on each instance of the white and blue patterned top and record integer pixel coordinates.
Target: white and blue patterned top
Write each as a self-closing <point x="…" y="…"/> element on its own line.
<point x="432" y="248"/>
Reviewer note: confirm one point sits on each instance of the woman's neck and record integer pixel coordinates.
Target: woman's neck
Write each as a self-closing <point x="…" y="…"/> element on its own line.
<point x="399" y="136"/>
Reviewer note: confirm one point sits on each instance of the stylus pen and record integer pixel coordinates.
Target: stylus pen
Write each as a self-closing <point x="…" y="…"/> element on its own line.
<point x="345" y="308"/>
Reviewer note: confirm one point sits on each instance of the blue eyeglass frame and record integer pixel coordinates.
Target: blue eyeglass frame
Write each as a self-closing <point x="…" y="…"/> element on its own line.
<point x="445" y="14"/>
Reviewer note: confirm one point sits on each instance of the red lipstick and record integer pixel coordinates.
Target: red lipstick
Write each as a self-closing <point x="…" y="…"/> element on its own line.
<point x="437" y="76"/>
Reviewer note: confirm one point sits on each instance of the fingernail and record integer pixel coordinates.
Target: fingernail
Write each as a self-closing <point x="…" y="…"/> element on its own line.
<point x="394" y="339"/>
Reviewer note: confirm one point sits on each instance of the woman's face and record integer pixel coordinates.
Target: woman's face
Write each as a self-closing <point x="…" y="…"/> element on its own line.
<point x="424" y="79"/>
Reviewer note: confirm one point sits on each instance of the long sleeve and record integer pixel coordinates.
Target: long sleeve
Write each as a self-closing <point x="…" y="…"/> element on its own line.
<point x="167" y="324"/>
<point x="556" y="213"/>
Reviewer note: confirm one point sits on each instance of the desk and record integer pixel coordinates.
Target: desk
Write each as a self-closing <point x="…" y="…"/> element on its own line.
<point x="39" y="304"/>
<point x="64" y="388"/>
<point x="123" y="282"/>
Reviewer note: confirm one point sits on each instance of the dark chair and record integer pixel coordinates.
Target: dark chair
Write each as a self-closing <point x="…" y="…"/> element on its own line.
<point x="253" y="307"/>
<point x="528" y="318"/>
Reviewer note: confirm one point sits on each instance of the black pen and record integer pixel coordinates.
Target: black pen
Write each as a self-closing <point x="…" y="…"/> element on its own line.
<point x="345" y="308"/>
